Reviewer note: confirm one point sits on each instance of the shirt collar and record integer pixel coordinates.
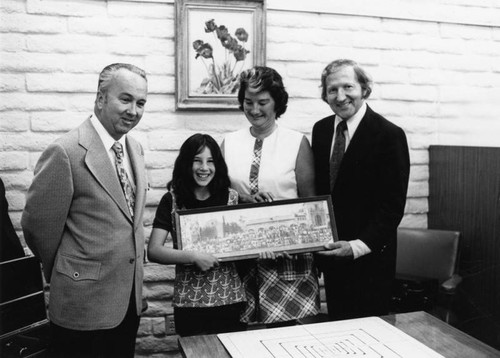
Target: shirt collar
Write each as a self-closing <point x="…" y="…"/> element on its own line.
<point x="106" y="139"/>
<point x="353" y="122"/>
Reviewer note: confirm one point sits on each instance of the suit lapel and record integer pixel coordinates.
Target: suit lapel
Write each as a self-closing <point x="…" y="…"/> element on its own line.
<point x="330" y="130"/>
<point x="137" y="163"/>
<point x="325" y="138"/>
<point x="99" y="165"/>
<point x="361" y="139"/>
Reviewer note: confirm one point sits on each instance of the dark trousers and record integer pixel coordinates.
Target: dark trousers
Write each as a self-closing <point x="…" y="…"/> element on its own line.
<point x="355" y="290"/>
<point x="118" y="342"/>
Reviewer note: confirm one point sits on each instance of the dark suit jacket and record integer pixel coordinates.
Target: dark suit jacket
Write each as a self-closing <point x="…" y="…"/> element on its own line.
<point x="10" y="246"/>
<point x="370" y="192"/>
<point x="77" y="222"/>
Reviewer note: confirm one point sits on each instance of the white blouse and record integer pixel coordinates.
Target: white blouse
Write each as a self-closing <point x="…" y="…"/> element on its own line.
<point x="277" y="164"/>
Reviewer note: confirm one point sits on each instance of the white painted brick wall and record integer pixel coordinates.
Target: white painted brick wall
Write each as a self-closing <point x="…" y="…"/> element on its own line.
<point x="439" y="80"/>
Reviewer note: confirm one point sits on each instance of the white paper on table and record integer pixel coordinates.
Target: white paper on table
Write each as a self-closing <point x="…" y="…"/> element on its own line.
<point x="370" y="337"/>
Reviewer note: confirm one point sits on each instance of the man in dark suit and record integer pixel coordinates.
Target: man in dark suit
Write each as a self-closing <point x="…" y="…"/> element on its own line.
<point x="364" y="166"/>
<point x="83" y="219"/>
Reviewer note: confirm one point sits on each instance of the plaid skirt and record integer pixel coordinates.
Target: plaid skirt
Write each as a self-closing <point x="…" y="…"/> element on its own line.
<point x="280" y="290"/>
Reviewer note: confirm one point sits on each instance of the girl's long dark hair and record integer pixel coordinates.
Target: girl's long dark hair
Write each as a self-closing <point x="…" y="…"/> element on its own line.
<point x="183" y="183"/>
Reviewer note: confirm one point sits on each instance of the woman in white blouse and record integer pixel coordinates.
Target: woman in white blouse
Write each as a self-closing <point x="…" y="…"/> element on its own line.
<point x="268" y="162"/>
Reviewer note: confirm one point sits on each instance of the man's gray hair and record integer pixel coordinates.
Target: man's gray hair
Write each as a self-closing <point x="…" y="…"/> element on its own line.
<point x="107" y="74"/>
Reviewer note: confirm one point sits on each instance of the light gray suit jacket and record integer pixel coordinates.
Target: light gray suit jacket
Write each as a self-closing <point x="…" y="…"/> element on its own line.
<point x="77" y="222"/>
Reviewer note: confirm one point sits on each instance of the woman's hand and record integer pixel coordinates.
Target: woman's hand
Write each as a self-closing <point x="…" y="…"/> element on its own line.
<point x="269" y="255"/>
<point x="204" y="261"/>
<point x="260" y="197"/>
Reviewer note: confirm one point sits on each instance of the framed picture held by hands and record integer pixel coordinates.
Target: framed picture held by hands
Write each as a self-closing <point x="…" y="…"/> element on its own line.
<point x="242" y="231"/>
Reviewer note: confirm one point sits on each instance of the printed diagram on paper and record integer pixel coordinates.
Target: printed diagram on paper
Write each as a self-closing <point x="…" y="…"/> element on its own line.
<point x="369" y="337"/>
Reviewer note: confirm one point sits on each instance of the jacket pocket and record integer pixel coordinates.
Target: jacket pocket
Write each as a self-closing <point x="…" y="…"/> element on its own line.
<point x="78" y="269"/>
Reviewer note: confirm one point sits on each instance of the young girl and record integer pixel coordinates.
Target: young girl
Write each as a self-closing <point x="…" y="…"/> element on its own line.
<point x="200" y="179"/>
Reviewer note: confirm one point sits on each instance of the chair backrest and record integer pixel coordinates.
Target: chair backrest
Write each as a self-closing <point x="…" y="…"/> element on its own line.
<point x="22" y="298"/>
<point x="427" y="254"/>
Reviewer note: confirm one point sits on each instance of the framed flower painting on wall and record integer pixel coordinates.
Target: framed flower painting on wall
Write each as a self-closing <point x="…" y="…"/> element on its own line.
<point x="215" y="41"/>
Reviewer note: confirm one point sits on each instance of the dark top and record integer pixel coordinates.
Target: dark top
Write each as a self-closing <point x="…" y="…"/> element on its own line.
<point x="10" y="246"/>
<point x="163" y="218"/>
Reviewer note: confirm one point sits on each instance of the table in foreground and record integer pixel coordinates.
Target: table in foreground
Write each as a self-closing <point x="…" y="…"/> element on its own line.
<point x="435" y="334"/>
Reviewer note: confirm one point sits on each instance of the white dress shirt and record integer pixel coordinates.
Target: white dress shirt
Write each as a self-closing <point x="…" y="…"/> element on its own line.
<point x="108" y="142"/>
<point x="359" y="248"/>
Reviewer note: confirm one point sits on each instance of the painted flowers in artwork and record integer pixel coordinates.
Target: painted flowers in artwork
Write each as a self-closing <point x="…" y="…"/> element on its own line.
<point x="222" y="73"/>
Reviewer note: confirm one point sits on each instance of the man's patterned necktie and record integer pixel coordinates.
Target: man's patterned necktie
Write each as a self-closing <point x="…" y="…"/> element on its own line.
<point x="338" y="152"/>
<point x="122" y="175"/>
<point x="254" y="169"/>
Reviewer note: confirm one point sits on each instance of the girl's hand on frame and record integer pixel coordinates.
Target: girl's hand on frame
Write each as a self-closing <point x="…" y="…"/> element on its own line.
<point x="204" y="261"/>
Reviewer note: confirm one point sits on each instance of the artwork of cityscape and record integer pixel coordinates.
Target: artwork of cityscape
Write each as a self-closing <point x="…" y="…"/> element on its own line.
<point x="243" y="231"/>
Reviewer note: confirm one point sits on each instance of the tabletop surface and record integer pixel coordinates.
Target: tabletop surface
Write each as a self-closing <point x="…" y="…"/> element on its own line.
<point x="434" y="333"/>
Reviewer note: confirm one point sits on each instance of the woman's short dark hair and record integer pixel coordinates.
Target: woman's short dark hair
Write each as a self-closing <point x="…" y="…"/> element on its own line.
<point x="362" y="76"/>
<point x="183" y="182"/>
<point x="261" y="78"/>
